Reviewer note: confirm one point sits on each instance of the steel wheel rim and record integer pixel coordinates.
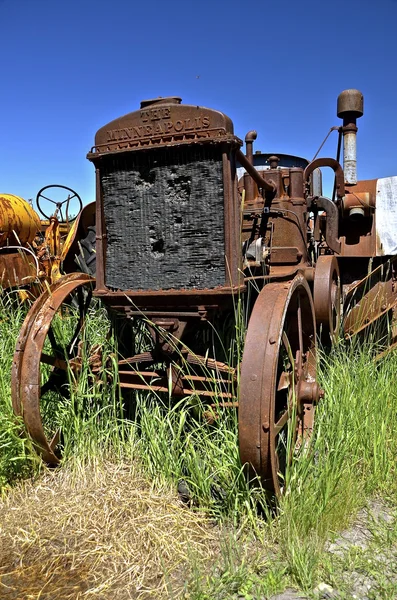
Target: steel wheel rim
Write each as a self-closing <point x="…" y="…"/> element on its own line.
<point x="270" y="394"/>
<point x="28" y="361"/>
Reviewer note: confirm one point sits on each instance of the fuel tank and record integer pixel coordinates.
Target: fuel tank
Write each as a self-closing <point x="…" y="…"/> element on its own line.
<point x="19" y="223"/>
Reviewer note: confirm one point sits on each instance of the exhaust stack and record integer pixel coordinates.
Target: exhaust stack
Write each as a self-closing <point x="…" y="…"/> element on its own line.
<point x="350" y="108"/>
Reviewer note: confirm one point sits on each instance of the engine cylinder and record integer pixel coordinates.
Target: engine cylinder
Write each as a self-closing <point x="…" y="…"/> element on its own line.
<point x="19" y="223"/>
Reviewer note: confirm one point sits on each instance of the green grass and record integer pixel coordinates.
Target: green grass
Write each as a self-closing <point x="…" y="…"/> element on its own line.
<point x="349" y="460"/>
<point x="16" y="457"/>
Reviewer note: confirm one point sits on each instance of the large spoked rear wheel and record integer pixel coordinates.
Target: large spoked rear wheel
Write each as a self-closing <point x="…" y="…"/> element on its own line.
<point x="47" y="351"/>
<point x="278" y="388"/>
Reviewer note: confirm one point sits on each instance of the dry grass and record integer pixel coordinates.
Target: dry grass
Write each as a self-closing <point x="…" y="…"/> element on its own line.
<point x="98" y="533"/>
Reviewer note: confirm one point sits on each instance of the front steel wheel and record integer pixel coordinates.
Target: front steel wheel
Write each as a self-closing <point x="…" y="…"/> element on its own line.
<point x="47" y="350"/>
<point x="278" y="388"/>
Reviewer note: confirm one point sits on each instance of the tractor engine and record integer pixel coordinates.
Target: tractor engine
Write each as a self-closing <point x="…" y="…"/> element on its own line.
<point x="274" y="224"/>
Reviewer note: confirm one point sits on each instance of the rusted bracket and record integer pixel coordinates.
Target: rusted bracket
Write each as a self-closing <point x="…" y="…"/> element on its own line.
<point x="166" y="333"/>
<point x="331" y="224"/>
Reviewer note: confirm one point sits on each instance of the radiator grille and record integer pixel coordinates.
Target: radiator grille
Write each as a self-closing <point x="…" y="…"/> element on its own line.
<point x="164" y="214"/>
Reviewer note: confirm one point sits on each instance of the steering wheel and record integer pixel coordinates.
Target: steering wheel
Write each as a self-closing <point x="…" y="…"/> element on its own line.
<point x="62" y="218"/>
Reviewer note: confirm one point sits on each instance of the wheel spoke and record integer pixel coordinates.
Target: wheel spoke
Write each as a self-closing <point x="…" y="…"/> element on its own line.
<point x="54" y="361"/>
<point x="51" y="337"/>
<point x="284" y="381"/>
<point x="52" y="383"/>
<point x="83" y="309"/>
<point x="79" y="301"/>
<point x="49" y="199"/>
<point x="300" y="330"/>
<point x="281" y="422"/>
<point x="287" y="347"/>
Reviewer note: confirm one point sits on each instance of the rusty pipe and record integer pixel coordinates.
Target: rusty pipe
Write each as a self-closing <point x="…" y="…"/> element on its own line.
<point x="249" y="142"/>
<point x="249" y="152"/>
<point x="332" y="221"/>
<point x="328" y="162"/>
<point x="268" y="186"/>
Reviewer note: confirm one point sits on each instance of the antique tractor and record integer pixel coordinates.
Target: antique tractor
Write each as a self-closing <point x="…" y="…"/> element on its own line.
<point x="19" y="225"/>
<point x="186" y="226"/>
<point x="32" y="250"/>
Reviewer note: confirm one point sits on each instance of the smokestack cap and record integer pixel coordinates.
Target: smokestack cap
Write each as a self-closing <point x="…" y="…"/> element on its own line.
<point x="160" y="100"/>
<point x="350" y="102"/>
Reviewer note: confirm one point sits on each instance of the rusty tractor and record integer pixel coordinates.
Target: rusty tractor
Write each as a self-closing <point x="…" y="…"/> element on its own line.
<point x="186" y="224"/>
<point x="32" y="250"/>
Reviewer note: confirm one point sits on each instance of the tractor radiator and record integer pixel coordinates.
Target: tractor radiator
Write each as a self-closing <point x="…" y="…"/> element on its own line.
<point x="164" y="215"/>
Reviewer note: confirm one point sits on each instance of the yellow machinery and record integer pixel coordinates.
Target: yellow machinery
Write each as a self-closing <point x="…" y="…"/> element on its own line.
<point x="31" y="249"/>
<point x="19" y="223"/>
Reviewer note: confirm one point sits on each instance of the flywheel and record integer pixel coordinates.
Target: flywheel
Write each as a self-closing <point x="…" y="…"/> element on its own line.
<point x="327" y="296"/>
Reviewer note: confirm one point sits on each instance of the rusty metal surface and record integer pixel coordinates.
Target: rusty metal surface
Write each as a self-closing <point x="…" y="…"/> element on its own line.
<point x="330" y="221"/>
<point x="375" y="304"/>
<point x="327" y="295"/>
<point x="372" y="298"/>
<point x="364" y="200"/>
<point x="164" y="122"/>
<point x="350" y="102"/>
<point x="268" y="186"/>
<point x="196" y="303"/>
<point x="170" y="367"/>
<point x="18" y="268"/>
<point x="335" y="166"/>
<point x="249" y="184"/>
<point x="274" y="228"/>
<point x="359" y="238"/>
<point x="186" y="385"/>
<point x="278" y="358"/>
<point x="26" y="383"/>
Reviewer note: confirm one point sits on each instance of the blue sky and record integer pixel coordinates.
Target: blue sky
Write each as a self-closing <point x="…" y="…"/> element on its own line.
<point x="70" y="66"/>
